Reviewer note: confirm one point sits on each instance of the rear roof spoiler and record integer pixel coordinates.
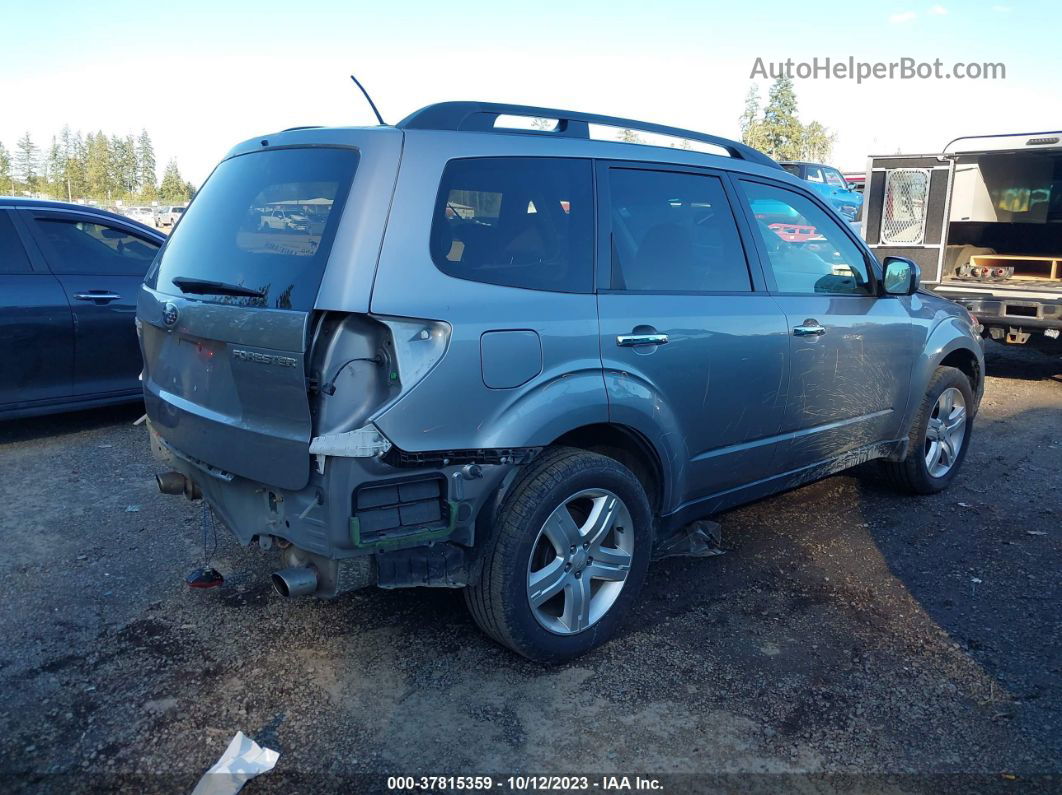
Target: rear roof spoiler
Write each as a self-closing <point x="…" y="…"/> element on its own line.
<point x="481" y="116"/>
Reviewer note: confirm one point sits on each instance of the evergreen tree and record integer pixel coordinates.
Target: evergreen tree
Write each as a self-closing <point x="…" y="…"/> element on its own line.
<point x="71" y="149"/>
<point x="56" y="170"/>
<point x="77" y="157"/>
<point x="26" y="162"/>
<point x="115" y="163"/>
<point x="752" y="131"/>
<point x="173" y="188"/>
<point x="782" y="131"/>
<point x="779" y="132"/>
<point x="98" y="170"/>
<point x="817" y="143"/>
<point x="7" y="182"/>
<point x="147" y="179"/>
<point x="95" y="167"/>
<point x="124" y="166"/>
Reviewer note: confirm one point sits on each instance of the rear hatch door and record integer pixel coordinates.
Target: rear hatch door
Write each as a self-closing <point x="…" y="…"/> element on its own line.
<point x="225" y="313"/>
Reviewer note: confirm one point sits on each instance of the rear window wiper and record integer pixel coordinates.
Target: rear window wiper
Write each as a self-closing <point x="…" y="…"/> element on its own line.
<point x="207" y="287"/>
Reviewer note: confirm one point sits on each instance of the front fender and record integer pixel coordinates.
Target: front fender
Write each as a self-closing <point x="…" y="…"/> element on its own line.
<point x="950" y="334"/>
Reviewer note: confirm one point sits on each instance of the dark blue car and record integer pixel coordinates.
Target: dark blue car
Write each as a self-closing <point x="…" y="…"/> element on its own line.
<point x="830" y="184"/>
<point x="69" y="278"/>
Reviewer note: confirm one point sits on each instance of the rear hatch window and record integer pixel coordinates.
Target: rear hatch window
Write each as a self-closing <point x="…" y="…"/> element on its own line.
<point x="260" y="230"/>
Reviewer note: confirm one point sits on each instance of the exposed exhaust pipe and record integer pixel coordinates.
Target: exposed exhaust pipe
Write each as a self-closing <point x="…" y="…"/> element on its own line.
<point x="176" y="483"/>
<point x="295" y="581"/>
<point x="171" y="482"/>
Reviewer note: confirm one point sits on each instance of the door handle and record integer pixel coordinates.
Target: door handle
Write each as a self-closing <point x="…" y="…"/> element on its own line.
<point x="809" y="328"/>
<point x="630" y="340"/>
<point x="100" y="296"/>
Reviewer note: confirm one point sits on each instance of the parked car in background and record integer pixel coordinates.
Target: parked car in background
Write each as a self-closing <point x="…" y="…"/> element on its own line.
<point x="540" y="357"/>
<point x="145" y="215"/>
<point x="69" y="279"/>
<point x="830" y="184"/>
<point x="168" y="216"/>
<point x="283" y="219"/>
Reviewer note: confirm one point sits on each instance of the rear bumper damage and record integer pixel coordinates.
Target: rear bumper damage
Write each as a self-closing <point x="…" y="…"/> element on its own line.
<point x="397" y="521"/>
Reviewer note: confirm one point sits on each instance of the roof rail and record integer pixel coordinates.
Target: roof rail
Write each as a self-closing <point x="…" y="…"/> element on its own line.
<point x="1047" y="138"/>
<point x="481" y="116"/>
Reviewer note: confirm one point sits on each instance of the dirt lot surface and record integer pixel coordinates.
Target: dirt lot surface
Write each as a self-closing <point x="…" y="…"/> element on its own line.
<point x="848" y="630"/>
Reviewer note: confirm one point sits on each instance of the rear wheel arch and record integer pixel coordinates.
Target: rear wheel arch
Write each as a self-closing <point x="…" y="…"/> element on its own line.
<point x="618" y="442"/>
<point x="630" y="448"/>
<point x="500" y="598"/>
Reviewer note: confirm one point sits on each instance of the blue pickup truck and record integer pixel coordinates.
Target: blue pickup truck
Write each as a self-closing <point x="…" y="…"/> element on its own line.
<point x="829" y="182"/>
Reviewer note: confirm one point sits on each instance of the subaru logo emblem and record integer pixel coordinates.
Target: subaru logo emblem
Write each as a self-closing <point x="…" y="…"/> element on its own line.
<point x="170" y="314"/>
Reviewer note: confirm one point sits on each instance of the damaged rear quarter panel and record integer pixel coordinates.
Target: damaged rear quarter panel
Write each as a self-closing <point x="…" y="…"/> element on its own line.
<point x="452" y="408"/>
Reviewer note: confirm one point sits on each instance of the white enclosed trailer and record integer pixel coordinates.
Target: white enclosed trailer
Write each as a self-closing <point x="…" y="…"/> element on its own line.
<point x="983" y="220"/>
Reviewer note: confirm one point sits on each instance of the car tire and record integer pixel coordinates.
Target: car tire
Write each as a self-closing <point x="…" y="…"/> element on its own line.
<point x="932" y="462"/>
<point x="527" y="557"/>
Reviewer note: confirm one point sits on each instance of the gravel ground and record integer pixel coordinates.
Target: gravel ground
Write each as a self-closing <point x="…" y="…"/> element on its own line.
<point x="850" y="639"/>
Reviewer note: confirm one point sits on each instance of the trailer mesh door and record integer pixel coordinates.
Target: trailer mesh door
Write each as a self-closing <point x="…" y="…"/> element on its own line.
<point x="906" y="210"/>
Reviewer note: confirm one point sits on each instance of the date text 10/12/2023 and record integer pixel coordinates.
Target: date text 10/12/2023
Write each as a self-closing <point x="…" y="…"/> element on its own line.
<point x="527" y="783"/>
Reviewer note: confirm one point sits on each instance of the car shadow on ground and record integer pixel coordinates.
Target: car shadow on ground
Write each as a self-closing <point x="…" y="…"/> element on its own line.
<point x="981" y="561"/>
<point x="55" y="425"/>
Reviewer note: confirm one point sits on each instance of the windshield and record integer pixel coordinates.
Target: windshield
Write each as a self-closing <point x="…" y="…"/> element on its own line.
<point x="264" y="221"/>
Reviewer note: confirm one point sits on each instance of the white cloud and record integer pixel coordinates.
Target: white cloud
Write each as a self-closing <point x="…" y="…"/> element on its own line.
<point x="902" y="17"/>
<point x="938" y="11"/>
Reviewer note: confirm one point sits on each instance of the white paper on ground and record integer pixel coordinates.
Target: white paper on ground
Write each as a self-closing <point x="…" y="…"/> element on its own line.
<point x="243" y="760"/>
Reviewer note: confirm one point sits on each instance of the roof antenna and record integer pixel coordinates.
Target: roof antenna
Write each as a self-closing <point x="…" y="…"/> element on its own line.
<point x="371" y="103"/>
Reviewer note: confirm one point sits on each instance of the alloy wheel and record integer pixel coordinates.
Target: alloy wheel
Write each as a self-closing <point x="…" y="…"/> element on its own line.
<point x="579" y="561"/>
<point x="945" y="432"/>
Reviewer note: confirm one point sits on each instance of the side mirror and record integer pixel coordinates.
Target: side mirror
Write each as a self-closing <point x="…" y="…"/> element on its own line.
<point x="902" y="276"/>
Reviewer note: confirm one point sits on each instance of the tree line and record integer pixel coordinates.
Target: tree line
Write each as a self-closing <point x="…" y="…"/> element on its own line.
<point x="95" y="167"/>
<point x="778" y="131"/>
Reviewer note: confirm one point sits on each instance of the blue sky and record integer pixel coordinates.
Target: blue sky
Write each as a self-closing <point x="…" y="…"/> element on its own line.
<point x="203" y="75"/>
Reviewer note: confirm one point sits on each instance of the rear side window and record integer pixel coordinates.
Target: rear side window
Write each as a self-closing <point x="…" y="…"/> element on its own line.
<point x="264" y="221"/>
<point x="516" y="221"/>
<point x="12" y="255"/>
<point x="83" y="247"/>
<point x="674" y="231"/>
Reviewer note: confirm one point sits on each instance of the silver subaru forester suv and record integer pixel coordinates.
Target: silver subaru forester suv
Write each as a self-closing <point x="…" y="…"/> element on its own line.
<point x="518" y="360"/>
